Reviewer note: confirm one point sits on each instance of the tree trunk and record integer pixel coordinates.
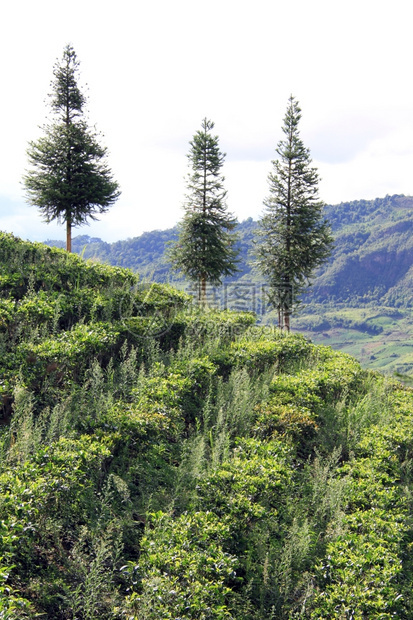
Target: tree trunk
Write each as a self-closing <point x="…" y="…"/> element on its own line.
<point x="68" y="235"/>
<point x="287" y="301"/>
<point x="202" y="291"/>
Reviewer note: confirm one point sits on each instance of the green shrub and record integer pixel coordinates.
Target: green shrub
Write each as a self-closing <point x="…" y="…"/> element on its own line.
<point x="69" y="353"/>
<point x="183" y="571"/>
<point x="249" y="486"/>
<point x="365" y="572"/>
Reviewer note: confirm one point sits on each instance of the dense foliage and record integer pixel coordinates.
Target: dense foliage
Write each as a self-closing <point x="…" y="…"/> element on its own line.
<point x="158" y="462"/>
<point x="69" y="179"/>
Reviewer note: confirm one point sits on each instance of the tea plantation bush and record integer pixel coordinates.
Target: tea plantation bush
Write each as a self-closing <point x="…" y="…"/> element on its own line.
<point x="162" y="462"/>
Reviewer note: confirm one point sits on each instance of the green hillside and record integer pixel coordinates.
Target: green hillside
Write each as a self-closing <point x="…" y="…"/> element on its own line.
<point x="372" y="261"/>
<point x="360" y="301"/>
<point x="158" y="462"/>
<point x="146" y="254"/>
<point x="373" y="256"/>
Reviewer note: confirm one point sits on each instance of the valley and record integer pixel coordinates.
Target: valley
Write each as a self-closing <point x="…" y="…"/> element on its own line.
<point x="381" y="338"/>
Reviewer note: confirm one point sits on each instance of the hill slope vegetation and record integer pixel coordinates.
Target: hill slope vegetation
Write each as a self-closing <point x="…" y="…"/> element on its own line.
<point x="360" y="301"/>
<point x="158" y="462"/>
<point x="372" y="261"/>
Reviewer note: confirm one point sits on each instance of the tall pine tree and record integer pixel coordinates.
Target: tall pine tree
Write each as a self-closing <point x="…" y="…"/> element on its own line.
<point x="293" y="236"/>
<point x="69" y="179"/>
<point x="205" y="249"/>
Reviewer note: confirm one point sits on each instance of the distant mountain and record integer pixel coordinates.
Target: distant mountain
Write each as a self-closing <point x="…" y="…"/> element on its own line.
<point x="372" y="261"/>
<point x="373" y="256"/>
<point x="147" y="254"/>
<point x="144" y="254"/>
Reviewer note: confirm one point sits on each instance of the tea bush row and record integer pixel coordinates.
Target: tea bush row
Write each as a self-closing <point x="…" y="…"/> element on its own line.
<point x="367" y="571"/>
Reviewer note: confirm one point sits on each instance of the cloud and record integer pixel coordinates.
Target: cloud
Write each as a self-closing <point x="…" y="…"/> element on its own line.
<point x="156" y="73"/>
<point x="383" y="167"/>
<point x="342" y="137"/>
<point x="24" y="221"/>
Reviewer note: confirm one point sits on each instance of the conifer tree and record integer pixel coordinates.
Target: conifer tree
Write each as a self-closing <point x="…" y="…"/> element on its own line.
<point x="205" y="249"/>
<point x="69" y="179"/>
<point x="293" y="236"/>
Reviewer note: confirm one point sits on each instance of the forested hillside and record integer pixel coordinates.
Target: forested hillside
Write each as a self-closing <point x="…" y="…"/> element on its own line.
<point x="360" y="301"/>
<point x="372" y="260"/>
<point x="373" y="257"/>
<point x="146" y="254"/>
<point x="159" y="462"/>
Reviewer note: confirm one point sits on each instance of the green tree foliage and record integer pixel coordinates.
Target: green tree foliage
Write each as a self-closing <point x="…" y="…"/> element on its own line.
<point x="69" y="179"/>
<point x="205" y="249"/>
<point x="294" y="238"/>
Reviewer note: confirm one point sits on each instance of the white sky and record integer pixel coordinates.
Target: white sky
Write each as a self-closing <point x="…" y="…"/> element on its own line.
<point x="155" y="69"/>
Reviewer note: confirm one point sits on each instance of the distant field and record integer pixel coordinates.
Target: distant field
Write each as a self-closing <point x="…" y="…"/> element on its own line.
<point x="380" y="338"/>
